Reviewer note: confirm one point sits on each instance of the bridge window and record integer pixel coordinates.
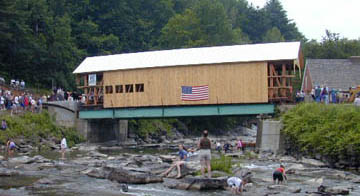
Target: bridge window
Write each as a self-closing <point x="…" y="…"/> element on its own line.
<point x="119" y="89"/>
<point x="129" y="88"/>
<point x="139" y="87"/>
<point x="108" y="89"/>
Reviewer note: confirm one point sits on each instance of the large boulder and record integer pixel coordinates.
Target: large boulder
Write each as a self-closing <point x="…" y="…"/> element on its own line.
<point x="312" y="162"/>
<point x="28" y="160"/>
<point x="97" y="173"/>
<point x="287" y="159"/>
<point x="144" y="160"/>
<point x="8" y="172"/>
<point x="295" y="168"/>
<point x="339" y="190"/>
<point x="195" y="183"/>
<point x="167" y="158"/>
<point x="336" y="190"/>
<point x="122" y="175"/>
<point x="20" y="160"/>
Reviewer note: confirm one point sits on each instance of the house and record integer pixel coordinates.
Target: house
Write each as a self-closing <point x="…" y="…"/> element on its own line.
<point x="339" y="74"/>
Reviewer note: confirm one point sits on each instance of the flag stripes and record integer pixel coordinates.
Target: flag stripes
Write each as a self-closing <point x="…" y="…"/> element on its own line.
<point x="194" y="93"/>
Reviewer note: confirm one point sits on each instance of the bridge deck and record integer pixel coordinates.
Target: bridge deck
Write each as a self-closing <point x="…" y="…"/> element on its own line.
<point x="180" y="111"/>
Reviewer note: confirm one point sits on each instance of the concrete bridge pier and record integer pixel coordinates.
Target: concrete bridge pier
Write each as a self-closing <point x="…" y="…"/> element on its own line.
<point x="269" y="136"/>
<point x="122" y="132"/>
<point x="103" y="130"/>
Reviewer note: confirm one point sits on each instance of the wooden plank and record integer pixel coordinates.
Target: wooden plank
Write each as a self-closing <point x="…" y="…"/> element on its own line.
<point x="283" y="80"/>
<point x="271" y="82"/>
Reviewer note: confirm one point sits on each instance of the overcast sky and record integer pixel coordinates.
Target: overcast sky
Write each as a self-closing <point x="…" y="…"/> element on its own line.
<point x="312" y="17"/>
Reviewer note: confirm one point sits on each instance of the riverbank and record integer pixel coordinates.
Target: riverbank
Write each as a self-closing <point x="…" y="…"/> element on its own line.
<point x="36" y="131"/>
<point x="330" y="133"/>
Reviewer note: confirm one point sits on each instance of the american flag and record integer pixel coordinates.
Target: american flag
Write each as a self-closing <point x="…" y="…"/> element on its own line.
<point x="194" y="93"/>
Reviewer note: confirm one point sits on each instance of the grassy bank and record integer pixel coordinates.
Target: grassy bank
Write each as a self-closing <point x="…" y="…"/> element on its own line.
<point x="331" y="131"/>
<point x="36" y="127"/>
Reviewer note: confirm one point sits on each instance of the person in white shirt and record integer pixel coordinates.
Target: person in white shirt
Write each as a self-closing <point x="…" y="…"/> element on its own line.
<point x="12" y="82"/>
<point x="2" y="103"/>
<point x="357" y="100"/>
<point x="33" y="105"/>
<point x="218" y="146"/>
<point x="22" y="84"/>
<point x="16" y="104"/>
<point x="236" y="184"/>
<point x="63" y="147"/>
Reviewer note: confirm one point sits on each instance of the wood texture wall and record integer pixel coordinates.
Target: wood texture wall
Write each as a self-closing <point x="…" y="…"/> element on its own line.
<point x="228" y="84"/>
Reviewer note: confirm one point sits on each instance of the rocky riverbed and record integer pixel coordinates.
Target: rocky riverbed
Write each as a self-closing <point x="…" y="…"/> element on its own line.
<point x="114" y="170"/>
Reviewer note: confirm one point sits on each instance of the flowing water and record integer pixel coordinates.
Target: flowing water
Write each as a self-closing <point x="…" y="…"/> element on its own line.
<point x="66" y="179"/>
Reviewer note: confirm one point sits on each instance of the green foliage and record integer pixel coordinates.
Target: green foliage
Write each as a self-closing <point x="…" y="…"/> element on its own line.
<point x="146" y="127"/>
<point x="35" y="126"/>
<point x="223" y="163"/>
<point x="212" y="123"/>
<point x="330" y="130"/>
<point x="273" y="35"/>
<point x="332" y="47"/>
<point x="49" y="38"/>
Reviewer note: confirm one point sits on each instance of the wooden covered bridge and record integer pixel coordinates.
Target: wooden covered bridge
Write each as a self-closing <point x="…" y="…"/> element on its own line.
<point x="223" y="80"/>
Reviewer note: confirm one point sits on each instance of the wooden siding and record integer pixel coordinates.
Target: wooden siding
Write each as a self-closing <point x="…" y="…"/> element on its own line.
<point x="228" y="84"/>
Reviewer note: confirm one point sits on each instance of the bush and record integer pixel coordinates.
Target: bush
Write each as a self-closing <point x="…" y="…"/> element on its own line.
<point x="35" y="126"/>
<point x="223" y="163"/>
<point x="332" y="131"/>
<point x="146" y="127"/>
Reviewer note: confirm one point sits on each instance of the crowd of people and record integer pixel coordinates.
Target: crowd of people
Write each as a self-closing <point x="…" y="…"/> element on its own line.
<point x="17" y="84"/>
<point x="326" y="95"/>
<point x="235" y="183"/>
<point x="17" y="103"/>
<point x="228" y="148"/>
<point x="58" y="94"/>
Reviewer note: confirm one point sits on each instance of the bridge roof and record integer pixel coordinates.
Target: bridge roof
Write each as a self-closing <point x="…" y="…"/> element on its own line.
<point x="192" y="56"/>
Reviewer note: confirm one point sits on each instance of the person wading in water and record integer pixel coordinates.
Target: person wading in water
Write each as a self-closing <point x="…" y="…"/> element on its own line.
<point x="205" y="154"/>
<point x="279" y="175"/>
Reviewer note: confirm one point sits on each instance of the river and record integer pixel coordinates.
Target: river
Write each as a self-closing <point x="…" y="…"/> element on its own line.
<point x="57" y="176"/>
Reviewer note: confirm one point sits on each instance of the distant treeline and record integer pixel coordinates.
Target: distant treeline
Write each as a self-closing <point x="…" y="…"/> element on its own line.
<point x="42" y="41"/>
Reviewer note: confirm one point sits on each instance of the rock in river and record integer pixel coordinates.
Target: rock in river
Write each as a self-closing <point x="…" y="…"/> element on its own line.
<point x="133" y="177"/>
<point x="195" y="183"/>
<point x="336" y="190"/>
<point x="8" y="172"/>
<point x="97" y="172"/>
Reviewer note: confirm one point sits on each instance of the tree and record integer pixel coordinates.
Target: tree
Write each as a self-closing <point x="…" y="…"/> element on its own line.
<point x="206" y="24"/>
<point x="183" y="30"/>
<point x="278" y="18"/>
<point x="332" y="46"/>
<point x="273" y="35"/>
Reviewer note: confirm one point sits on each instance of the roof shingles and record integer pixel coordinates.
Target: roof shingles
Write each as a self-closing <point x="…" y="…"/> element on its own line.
<point x="334" y="73"/>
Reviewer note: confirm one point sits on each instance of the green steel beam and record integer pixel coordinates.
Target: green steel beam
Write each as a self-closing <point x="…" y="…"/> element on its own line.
<point x="246" y="109"/>
<point x="96" y="114"/>
<point x="181" y="111"/>
<point x="138" y="112"/>
<point x="191" y="111"/>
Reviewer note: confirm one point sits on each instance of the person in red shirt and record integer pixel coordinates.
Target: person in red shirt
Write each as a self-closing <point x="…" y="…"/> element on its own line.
<point x="26" y="102"/>
<point x="279" y="175"/>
